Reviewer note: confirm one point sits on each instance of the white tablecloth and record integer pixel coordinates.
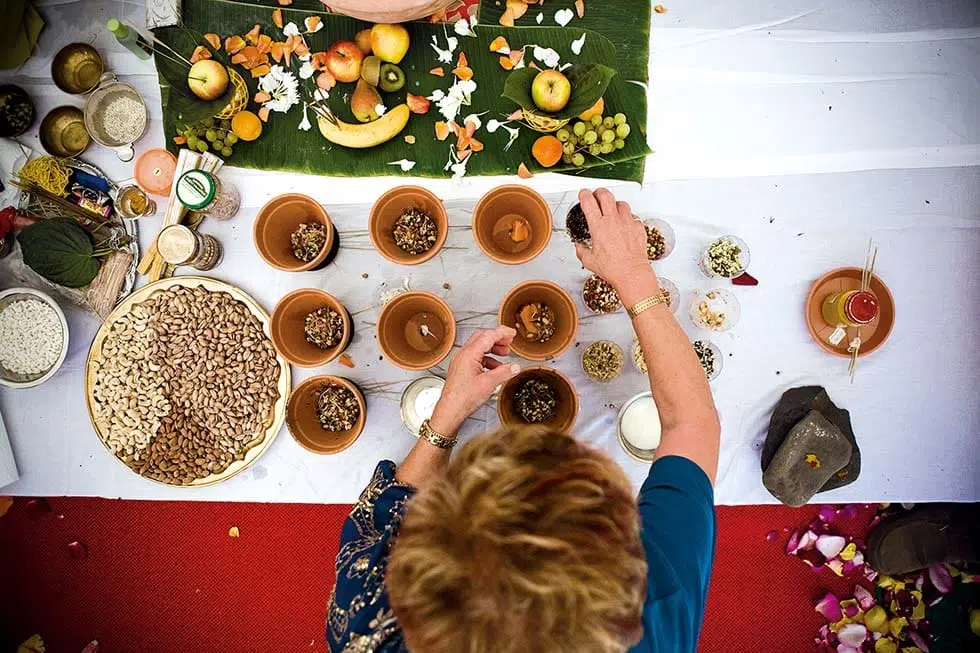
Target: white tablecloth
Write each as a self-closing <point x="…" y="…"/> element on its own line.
<point x="803" y="129"/>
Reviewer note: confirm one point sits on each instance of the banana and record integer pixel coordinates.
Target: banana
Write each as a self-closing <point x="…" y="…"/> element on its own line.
<point x="368" y="134"/>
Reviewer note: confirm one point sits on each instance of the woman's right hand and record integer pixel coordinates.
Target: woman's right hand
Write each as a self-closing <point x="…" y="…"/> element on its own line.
<point x="619" y="246"/>
<point x="473" y="376"/>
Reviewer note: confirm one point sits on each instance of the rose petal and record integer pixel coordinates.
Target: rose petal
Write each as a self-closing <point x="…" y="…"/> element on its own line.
<point x="847" y="649"/>
<point x="849" y="511"/>
<point x="864" y="598"/>
<point x="772" y="536"/>
<point x="851" y="608"/>
<point x="919" y="641"/>
<point x="858" y="559"/>
<point x="794" y="542"/>
<point x="941" y="578"/>
<point x="77" y="550"/>
<point x="830" y="545"/>
<point x="836" y="566"/>
<point x="829" y="608"/>
<point x="827" y="513"/>
<point x="852" y="635"/>
<point x="812" y="557"/>
<point x="91" y="647"/>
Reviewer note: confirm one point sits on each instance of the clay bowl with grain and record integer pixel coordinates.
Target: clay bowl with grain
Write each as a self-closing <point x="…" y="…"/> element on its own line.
<point x="566" y="410"/>
<point x="391" y="206"/>
<point x="416" y="330"/>
<point x="288" y="322"/>
<point x="275" y="224"/>
<point x="302" y="421"/>
<point x="512" y="224"/>
<point x="552" y="295"/>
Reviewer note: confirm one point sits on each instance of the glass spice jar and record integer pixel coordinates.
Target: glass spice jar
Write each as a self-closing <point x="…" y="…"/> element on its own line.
<point x="203" y="192"/>
<point x="179" y="245"/>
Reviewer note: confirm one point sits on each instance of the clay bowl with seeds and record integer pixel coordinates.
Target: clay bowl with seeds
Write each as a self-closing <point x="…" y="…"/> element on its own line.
<point x="408" y="225"/>
<point x="545" y="317"/>
<point x="512" y="224"/>
<point x="416" y="330"/>
<point x="280" y="219"/>
<point x="310" y="327"/>
<point x="183" y="384"/>
<point x="303" y="414"/>
<point x="557" y="401"/>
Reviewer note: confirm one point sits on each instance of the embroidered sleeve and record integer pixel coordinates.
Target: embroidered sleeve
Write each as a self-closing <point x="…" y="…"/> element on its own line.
<point x="357" y="618"/>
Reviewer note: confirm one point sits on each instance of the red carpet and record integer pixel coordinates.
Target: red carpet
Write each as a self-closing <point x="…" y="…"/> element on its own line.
<point x="167" y="577"/>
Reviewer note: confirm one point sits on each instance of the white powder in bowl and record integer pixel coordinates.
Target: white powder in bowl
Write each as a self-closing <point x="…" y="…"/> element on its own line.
<point x="641" y="424"/>
<point x="30" y="337"/>
<point x="425" y="402"/>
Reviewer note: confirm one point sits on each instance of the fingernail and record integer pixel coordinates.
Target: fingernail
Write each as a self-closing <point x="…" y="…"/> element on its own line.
<point x="515" y="368"/>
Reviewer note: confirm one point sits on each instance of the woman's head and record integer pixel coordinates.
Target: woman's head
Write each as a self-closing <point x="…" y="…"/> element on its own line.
<point x="529" y="542"/>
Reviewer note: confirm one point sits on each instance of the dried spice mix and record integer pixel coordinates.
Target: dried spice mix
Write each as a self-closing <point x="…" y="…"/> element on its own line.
<point x="415" y="232"/>
<point x="324" y="328"/>
<point x="308" y="240"/>
<point x="337" y="408"/>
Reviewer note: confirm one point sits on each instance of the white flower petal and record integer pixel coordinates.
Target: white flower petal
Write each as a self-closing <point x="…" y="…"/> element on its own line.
<point x="437" y="95"/>
<point x="380" y="109"/>
<point x="305" y="123"/>
<point x="290" y="29"/>
<point x="404" y="164"/>
<point x="463" y="28"/>
<point x="320" y="95"/>
<point x="493" y="125"/>
<point x="577" y="44"/>
<point x="564" y="16"/>
<point x="306" y="70"/>
<point x="451" y="43"/>
<point x="539" y="18"/>
<point x="473" y="118"/>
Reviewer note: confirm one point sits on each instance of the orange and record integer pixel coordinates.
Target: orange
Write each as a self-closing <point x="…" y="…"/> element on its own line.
<point x="246" y="125"/>
<point x="547" y="151"/>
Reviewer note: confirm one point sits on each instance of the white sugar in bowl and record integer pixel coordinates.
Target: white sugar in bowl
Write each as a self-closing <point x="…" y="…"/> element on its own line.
<point x="33" y="337"/>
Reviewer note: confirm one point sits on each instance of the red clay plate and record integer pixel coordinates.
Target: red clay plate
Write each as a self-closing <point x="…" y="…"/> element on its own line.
<point x="840" y="280"/>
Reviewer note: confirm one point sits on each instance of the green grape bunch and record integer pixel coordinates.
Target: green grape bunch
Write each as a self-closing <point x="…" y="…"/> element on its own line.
<point x="596" y="136"/>
<point x="210" y="134"/>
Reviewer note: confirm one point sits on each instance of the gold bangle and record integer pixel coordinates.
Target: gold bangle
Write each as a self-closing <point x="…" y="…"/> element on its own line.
<point x="646" y="304"/>
<point x="436" y="439"/>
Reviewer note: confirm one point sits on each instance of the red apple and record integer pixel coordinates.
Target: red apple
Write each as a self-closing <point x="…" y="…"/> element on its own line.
<point x="344" y="61"/>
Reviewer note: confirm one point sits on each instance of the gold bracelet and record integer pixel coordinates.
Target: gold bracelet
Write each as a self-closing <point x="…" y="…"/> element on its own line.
<point x="646" y="304"/>
<point x="436" y="439"/>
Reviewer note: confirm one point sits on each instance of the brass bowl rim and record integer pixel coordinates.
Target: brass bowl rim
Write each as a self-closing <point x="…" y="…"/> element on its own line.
<point x="50" y="116"/>
<point x="57" y="65"/>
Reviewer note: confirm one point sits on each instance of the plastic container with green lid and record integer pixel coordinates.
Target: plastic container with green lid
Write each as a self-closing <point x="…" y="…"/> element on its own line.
<point x="202" y="192"/>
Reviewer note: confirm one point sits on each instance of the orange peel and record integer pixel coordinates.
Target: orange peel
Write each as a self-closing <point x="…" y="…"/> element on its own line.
<point x="580" y="8"/>
<point x="311" y="23"/>
<point x="200" y="53"/>
<point x="523" y="172"/>
<point x="285" y="3"/>
<point x="264" y="114"/>
<point x="234" y="43"/>
<point x="498" y="44"/>
<point x="253" y="35"/>
<point x="277" y="18"/>
<point x="517" y="7"/>
<point x="325" y="80"/>
<point x="438" y="71"/>
<point x="261" y="70"/>
<point x="442" y="130"/>
<point x="214" y="40"/>
<point x="418" y="104"/>
<point x="261" y="97"/>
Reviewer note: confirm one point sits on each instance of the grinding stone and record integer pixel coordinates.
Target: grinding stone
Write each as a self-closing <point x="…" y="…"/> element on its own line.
<point x="790" y="477"/>
<point x="794" y="406"/>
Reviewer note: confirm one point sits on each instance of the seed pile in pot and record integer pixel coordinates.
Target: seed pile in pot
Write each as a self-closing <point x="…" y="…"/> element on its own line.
<point x="535" y="401"/>
<point x="600" y="296"/>
<point x="186" y="385"/>
<point x="656" y="244"/>
<point x="324" y="328"/>
<point x="577" y="226"/>
<point x="415" y="232"/>
<point x="337" y="409"/>
<point x="307" y="241"/>
<point x="536" y="322"/>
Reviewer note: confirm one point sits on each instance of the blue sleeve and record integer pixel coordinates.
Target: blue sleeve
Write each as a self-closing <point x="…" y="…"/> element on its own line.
<point x="359" y="597"/>
<point x="678" y="527"/>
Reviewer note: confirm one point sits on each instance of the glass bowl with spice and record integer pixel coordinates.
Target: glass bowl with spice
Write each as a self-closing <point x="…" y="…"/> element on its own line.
<point x="726" y="257"/>
<point x="310" y="327"/>
<point x="715" y="310"/>
<point x="293" y="233"/>
<point x="545" y="317"/>
<point x="603" y="361"/>
<point x="538" y="395"/>
<point x="512" y="224"/>
<point x="660" y="239"/>
<point x="408" y="225"/>
<point x="326" y="414"/>
<point x="673" y="293"/>
<point x="710" y="358"/>
<point x="599" y="296"/>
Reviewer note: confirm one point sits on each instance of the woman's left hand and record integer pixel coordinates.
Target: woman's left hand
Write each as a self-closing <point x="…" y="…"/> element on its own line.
<point x="473" y="376"/>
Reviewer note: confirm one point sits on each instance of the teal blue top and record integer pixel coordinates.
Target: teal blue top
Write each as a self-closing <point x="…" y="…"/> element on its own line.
<point x="678" y="520"/>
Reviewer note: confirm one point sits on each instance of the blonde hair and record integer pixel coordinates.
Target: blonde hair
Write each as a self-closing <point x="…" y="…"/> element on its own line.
<point x="530" y="541"/>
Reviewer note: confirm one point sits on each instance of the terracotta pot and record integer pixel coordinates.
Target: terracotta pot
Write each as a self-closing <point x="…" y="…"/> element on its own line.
<point x="399" y="330"/>
<point x="873" y="335"/>
<point x="277" y="221"/>
<point x="288" y="322"/>
<point x="563" y="420"/>
<point x="495" y="216"/>
<point x="302" y="422"/>
<point x="388" y="11"/>
<point x="390" y="207"/>
<point x="566" y="318"/>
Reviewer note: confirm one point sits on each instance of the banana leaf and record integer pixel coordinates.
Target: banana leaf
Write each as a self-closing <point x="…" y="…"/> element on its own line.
<point x="173" y="46"/>
<point x="283" y="146"/>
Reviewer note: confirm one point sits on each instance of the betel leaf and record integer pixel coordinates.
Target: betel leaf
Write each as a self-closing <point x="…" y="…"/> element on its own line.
<point x="175" y="43"/>
<point x="60" y="251"/>
<point x="588" y="81"/>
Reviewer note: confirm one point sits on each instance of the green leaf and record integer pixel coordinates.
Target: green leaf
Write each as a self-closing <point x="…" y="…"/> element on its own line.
<point x="589" y="82"/>
<point x="60" y="251"/>
<point x="174" y="44"/>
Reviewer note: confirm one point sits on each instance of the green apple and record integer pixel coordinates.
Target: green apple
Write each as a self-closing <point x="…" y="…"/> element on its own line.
<point x="550" y="91"/>
<point x="208" y="79"/>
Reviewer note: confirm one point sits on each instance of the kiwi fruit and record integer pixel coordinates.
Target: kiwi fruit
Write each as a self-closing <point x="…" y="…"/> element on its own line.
<point x="392" y="78"/>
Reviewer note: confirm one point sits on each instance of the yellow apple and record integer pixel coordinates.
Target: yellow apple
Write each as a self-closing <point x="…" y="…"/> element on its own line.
<point x="208" y="79"/>
<point x="390" y="42"/>
<point x="550" y="91"/>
